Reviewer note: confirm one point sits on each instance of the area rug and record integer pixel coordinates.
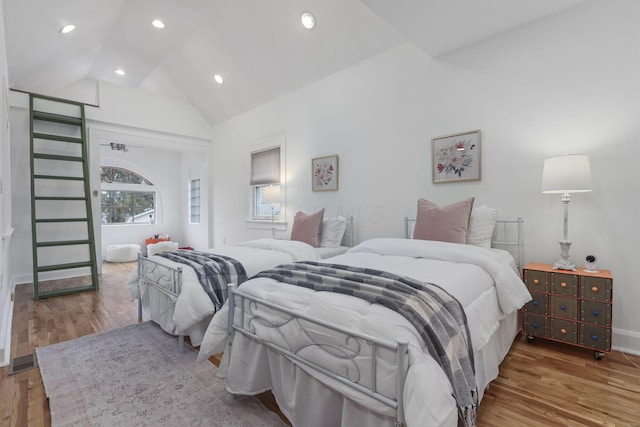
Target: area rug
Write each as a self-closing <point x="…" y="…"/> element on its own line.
<point x="136" y="376"/>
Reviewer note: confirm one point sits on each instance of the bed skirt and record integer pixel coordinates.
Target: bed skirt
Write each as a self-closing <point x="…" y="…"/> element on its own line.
<point x="307" y="399"/>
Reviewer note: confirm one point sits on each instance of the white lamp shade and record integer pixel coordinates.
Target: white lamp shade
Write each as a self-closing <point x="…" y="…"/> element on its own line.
<point x="567" y="174"/>
<point x="271" y="194"/>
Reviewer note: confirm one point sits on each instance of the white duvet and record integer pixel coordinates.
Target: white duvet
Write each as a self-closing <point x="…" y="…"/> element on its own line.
<point x="193" y="306"/>
<point x="488" y="288"/>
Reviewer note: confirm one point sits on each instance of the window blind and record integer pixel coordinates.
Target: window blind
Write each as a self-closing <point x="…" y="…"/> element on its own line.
<point x="265" y="167"/>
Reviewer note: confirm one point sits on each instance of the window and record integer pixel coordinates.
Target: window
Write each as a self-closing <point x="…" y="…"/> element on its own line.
<point x="194" y="202"/>
<point x="122" y="176"/>
<point x="126" y="198"/>
<point x="265" y="172"/>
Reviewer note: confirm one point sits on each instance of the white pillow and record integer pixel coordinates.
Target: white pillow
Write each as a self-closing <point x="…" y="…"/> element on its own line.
<point x="333" y="229"/>
<point x="156" y="248"/>
<point x="481" y="225"/>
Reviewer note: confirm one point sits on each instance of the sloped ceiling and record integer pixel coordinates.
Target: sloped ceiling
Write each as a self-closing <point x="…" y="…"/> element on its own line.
<point x="258" y="46"/>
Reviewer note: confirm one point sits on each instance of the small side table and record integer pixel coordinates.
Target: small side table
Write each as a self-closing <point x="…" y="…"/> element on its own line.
<point x="574" y="307"/>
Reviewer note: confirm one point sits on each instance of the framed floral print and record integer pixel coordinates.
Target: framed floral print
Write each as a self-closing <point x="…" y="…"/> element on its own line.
<point x="324" y="173"/>
<point x="456" y="157"/>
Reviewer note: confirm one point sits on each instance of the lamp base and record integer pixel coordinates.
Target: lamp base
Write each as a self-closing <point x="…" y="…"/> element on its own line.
<point x="563" y="263"/>
<point x="273" y="222"/>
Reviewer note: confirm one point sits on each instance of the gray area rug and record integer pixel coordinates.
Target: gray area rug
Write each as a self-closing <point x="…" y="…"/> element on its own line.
<point x="135" y="376"/>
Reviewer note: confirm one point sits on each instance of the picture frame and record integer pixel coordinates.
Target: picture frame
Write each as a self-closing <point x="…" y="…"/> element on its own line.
<point x="324" y="173"/>
<point x="456" y="157"/>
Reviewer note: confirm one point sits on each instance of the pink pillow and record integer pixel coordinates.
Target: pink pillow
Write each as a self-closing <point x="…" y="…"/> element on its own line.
<point x="307" y="228"/>
<point x="446" y="224"/>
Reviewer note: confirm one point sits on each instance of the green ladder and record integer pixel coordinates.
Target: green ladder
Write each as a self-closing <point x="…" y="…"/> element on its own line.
<point x="60" y="199"/>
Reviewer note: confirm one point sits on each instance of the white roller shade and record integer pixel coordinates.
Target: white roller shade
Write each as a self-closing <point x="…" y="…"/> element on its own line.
<point x="265" y="167"/>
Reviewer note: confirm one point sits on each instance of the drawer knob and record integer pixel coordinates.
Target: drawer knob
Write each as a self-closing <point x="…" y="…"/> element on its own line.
<point x="536" y="281"/>
<point x="594" y="289"/>
<point x="535" y="324"/>
<point x="563" y="285"/>
<point x="535" y="302"/>
<point x="563" y="331"/>
<point x="594" y="337"/>
<point x="595" y="312"/>
<point x="563" y="307"/>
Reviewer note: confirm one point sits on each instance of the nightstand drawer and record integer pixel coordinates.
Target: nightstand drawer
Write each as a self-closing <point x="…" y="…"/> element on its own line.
<point x="564" y="330"/>
<point x="596" y="288"/>
<point x="536" y="281"/>
<point x="564" y="284"/>
<point x="595" y="337"/>
<point x="564" y="307"/>
<point x="598" y="313"/>
<point x="535" y="324"/>
<point x="539" y="304"/>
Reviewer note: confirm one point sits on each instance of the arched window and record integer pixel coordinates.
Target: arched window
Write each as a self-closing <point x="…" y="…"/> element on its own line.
<point x="126" y="197"/>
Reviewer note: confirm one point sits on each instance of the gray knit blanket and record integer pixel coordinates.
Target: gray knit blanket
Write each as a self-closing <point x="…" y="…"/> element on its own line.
<point x="214" y="271"/>
<point x="437" y="316"/>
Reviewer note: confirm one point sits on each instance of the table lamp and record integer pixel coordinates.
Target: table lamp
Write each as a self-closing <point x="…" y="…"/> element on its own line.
<point x="272" y="195"/>
<point x="566" y="174"/>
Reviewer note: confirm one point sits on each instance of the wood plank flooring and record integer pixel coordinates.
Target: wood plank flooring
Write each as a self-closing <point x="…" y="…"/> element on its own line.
<point x="540" y="383"/>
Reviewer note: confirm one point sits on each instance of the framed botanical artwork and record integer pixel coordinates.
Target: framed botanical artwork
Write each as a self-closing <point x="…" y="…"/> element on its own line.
<point x="456" y="157"/>
<point x="324" y="173"/>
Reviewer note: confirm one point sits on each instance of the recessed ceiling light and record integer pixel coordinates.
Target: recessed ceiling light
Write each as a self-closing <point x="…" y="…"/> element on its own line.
<point x="158" y="23"/>
<point x="218" y="78"/>
<point x="67" y="28"/>
<point x="308" y="20"/>
<point x="120" y="72"/>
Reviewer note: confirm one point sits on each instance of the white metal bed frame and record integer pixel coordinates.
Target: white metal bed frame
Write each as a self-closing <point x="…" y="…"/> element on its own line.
<point x="355" y="345"/>
<point x="508" y="234"/>
<point x="168" y="280"/>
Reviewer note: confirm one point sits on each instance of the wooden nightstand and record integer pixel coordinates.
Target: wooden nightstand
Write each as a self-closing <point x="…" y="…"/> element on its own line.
<point x="573" y="307"/>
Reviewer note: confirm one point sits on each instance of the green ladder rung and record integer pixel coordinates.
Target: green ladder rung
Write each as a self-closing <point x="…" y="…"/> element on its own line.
<point x="50" y="220"/>
<point x="62" y="243"/>
<point x="58" y="198"/>
<point x="57" y="157"/>
<point x="57" y="118"/>
<point x="67" y="178"/>
<point x="68" y="266"/>
<point x="69" y="291"/>
<point x="62" y="138"/>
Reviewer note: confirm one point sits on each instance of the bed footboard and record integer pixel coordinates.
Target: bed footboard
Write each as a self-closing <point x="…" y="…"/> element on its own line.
<point x="350" y="358"/>
<point x="163" y="278"/>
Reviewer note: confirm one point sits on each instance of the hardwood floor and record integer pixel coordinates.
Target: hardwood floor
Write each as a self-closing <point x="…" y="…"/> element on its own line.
<point x="53" y="320"/>
<point x="540" y="383"/>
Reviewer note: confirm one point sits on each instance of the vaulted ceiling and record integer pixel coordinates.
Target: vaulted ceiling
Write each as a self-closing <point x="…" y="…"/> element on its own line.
<point x="259" y="47"/>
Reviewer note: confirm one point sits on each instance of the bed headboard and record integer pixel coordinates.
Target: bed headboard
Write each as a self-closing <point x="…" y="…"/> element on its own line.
<point x="508" y="235"/>
<point x="349" y="237"/>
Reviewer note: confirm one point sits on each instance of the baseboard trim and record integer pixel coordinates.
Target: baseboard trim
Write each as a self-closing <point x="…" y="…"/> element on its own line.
<point x="626" y="341"/>
<point x="27" y="278"/>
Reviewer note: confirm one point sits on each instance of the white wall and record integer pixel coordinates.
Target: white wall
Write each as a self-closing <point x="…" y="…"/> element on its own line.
<point x="195" y="166"/>
<point x="6" y="284"/>
<point x="565" y="84"/>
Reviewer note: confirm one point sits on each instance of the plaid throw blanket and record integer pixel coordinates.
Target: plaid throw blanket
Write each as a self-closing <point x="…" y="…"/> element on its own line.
<point x="438" y="317"/>
<point x="214" y="271"/>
